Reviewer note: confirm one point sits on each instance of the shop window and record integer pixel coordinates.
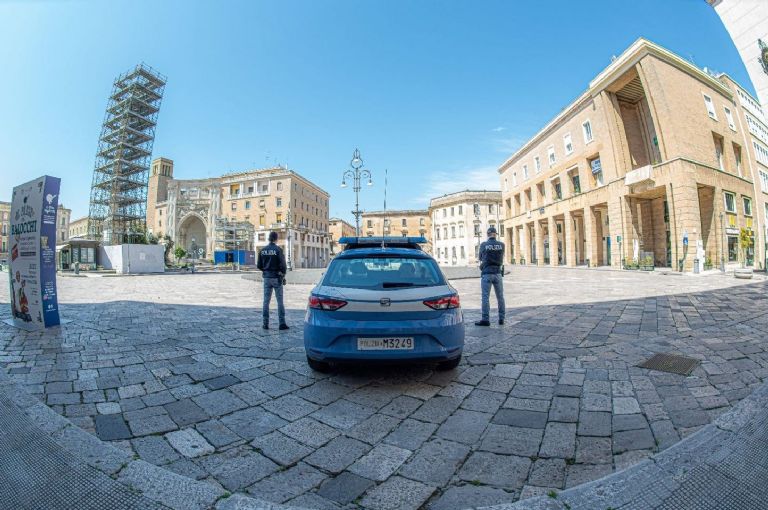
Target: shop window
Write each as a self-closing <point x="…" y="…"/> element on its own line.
<point x="733" y="249"/>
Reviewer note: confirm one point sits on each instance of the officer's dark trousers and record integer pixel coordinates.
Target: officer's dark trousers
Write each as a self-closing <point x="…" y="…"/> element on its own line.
<point x="271" y="284"/>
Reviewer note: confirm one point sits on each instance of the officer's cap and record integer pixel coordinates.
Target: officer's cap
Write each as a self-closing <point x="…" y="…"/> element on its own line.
<point x="491" y="230"/>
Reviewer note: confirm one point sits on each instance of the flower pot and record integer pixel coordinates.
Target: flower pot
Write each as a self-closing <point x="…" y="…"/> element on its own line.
<point x="743" y="273"/>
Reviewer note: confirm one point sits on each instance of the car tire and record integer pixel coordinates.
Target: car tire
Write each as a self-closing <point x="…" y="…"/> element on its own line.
<point x="318" y="366"/>
<point x="449" y="365"/>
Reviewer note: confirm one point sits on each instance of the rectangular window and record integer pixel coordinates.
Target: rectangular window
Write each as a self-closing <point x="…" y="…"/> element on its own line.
<point x="729" y="118"/>
<point x="558" y="191"/>
<point x="437" y="233"/>
<point x="453" y="231"/>
<point x="747" y="206"/>
<point x="525" y="172"/>
<point x="719" y="152"/>
<point x="710" y="106"/>
<point x="476" y="209"/>
<point x="733" y="249"/>
<point x="463" y="253"/>
<point x="461" y="210"/>
<point x="586" y="127"/>
<point x="261" y="204"/>
<point x="250" y="189"/>
<point x="404" y="223"/>
<point x="445" y="213"/>
<point x="551" y="156"/>
<point x="370" y="223"/>
<point x="453" y="211"/>
<point x="514" y="179"/>
<point x="279" y="217"/>
<point x="279" y="202"/>
<point x="537" y="164"/>
<point x="234" y="206"/>
<point x="730" y="202"/>
<point x="597" y="171"/>
<point x="761" y="152"/>
<point x="506" y="184"/>
<point x="576" y="183"/>
<point x="247" y="204"/>
<point x="737" y="157"/>
<point x="422" y="220"/>
<point x="262" y="220"/>
<point x="567" y="143"/>
<point x="763" y="181"/>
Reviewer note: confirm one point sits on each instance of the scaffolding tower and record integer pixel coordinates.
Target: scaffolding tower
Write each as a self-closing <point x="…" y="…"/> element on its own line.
<point x="117" y="212"/>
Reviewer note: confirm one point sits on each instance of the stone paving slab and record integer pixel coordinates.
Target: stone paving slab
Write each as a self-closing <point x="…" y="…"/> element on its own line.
<point x="550" y="400"/>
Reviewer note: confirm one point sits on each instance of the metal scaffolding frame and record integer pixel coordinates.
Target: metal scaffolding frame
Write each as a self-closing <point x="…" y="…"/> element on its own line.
<point x="117" y="212"/>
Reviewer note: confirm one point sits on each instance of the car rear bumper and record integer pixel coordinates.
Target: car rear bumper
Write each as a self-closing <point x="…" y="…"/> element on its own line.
<point x="436" y="339"/>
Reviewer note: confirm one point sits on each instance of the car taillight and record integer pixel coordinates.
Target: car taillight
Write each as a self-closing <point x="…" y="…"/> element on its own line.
<point x="322" y="303"/>
<point x="444" y="303"/>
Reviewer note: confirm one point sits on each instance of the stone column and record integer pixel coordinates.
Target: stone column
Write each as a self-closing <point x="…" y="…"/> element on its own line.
<point x="569" y="242"/>
<point x="615" y="229"/>
<point x="524" y="244"/>
<point x="539" y="235"/>
<point x="687" y="217"/>
<point x="590" y="229"/>
<point x="552" y="224"/>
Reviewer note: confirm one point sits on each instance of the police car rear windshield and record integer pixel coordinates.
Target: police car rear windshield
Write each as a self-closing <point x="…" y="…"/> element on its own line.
<point x="383" y="272"/>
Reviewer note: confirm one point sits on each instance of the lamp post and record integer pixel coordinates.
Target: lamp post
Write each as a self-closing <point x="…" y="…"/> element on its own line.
<point x="357" y="173"/>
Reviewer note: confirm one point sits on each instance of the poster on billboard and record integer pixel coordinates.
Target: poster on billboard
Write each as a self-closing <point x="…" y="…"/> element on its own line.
<point x="32" y="263"/>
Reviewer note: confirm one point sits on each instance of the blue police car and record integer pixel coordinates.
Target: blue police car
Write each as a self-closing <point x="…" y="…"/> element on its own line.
<point x="383" y="299"/>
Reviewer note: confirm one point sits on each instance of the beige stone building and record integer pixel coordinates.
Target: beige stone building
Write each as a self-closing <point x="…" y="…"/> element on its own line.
<point x="652" y="164"/>
<point x="338" y="228"/>
<point x="460" y="222"/>
<point x="272" y="199"/>
<point x="409" y="222"/>
<point x="78" y="228"/>
<point x="747" y="24"/>
<point x="62" y="229"/>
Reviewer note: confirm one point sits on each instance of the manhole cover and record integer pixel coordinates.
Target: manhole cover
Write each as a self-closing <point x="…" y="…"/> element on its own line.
<point x="670" y="363"/>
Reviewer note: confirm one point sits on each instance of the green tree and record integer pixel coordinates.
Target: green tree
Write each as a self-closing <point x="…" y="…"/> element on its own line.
<point x="745" y="241"/>
<point x="179" y="253"/>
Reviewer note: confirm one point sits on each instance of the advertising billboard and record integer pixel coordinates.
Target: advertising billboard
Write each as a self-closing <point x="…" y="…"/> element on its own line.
<point x="32" y="264"/>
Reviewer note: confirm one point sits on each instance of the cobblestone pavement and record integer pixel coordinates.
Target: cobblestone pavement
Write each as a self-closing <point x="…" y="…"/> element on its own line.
<point x="177" y="370"/>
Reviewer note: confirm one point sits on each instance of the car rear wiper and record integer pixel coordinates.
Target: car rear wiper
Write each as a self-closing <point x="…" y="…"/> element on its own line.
<point x="389" y="285"/>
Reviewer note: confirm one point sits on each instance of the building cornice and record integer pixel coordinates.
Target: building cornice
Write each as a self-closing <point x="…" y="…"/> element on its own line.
<point x="397" y="212"/>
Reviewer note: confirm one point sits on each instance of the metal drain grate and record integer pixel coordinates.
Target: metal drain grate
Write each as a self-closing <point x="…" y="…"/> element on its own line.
<point x="670" y="363"/>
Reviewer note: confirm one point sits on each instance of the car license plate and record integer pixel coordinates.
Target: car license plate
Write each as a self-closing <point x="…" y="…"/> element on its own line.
<point x="393" y="343"/>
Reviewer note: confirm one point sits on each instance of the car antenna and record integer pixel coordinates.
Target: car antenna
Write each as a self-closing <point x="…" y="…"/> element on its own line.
<point x="383" y="246"/>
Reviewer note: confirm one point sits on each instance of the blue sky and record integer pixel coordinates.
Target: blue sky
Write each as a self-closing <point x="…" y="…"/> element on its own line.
<point x="437" y="92"/>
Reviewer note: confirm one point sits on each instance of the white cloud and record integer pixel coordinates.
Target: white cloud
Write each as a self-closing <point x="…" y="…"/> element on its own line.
<point x="508" y="145"/>
<point x="499" y="129"/>
<point x="440" y="183"/>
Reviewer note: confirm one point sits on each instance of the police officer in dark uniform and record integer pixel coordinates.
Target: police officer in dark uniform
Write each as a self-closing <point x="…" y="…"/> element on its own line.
<point x="271" y="263"/>
<point x="492" y="269"/>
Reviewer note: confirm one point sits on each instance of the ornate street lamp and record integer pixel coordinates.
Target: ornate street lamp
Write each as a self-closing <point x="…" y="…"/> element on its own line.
<point x="356" y="174"/>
